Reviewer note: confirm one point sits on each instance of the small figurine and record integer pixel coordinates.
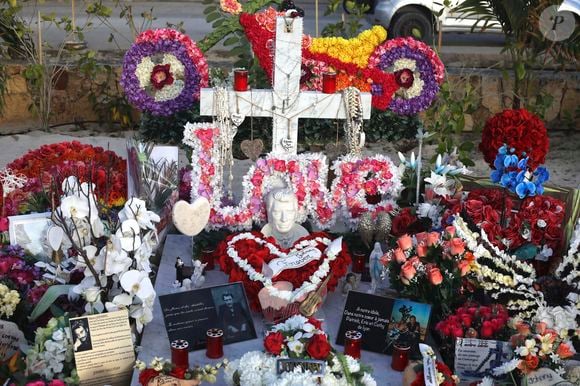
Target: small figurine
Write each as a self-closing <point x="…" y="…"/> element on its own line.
<point x="179" y="265"/>
<point x="350" y="283"/>
<point x="375" y="267"/>
<point x="197" y="279"/>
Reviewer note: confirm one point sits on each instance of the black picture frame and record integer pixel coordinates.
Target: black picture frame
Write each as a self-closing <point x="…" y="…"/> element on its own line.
<point x="188" y="315"/>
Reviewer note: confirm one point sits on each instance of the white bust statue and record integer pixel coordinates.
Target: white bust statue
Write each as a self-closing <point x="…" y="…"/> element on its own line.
<point x="282" y="208"/>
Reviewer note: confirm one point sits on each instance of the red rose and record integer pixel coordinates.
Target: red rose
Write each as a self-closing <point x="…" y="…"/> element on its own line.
<point x="486" y="330"/>
<point x="274" y="342"/>
<point x="318" y="347"/>
<point x="3" y="224"/>
<point x="474" y="210"/>
<point x="532" y="361"/>
<point x="466" y="320"/>
<point x="490" y="214"/>
<point x="457" y="332"/>
<point x="402" y="221"/>
<point x="147" y="375"/>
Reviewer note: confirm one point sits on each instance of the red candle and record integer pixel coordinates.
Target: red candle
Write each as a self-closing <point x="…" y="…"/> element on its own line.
<point x="358" y="261"/>
<point x="352" y="341"/>
<point x="180" y="353"/>
<point x="329" y="82"/>
<point x="400" y="358"/>
<point x="241" y="79"/>
<point x="215" y="343"/>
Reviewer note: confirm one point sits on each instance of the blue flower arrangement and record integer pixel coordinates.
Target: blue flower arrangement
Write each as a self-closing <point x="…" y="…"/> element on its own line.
<point x="513" y="173"/>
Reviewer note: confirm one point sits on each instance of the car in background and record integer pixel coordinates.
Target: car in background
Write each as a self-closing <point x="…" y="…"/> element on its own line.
<point x="417" y="18"/>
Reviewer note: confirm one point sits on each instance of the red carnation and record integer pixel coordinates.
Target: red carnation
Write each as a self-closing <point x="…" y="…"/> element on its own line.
<point x="519" y="129"/>
<point x="274" y="342"/>
<point x="318" y="347"/>
<point x="402" y="221"/>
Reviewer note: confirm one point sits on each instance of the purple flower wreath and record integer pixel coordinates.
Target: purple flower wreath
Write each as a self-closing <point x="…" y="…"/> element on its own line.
<point x="427" y="66"/>
<point x="152" y="84"/>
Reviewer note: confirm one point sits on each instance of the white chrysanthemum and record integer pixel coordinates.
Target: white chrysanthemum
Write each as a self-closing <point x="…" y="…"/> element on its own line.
<point x="506" y="368"/>
<point x="353" y="364"/>
<point x="143" y="71"/>
<point x="368" y="380"/>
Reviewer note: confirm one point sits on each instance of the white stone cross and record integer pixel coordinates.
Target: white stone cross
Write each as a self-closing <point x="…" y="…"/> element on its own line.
<point x="285" y="103"/>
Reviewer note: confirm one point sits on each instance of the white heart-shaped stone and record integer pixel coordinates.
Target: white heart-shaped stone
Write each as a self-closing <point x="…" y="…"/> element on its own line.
<point x="190" y="219"/>
<point x="237" y="119"/>
<point x="54" y="236"/>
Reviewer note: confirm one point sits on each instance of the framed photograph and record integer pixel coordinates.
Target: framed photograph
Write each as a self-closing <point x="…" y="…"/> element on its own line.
<point x="188" y="315"/>
<point x="409" y="323"/>
<point x="29" y="231"/>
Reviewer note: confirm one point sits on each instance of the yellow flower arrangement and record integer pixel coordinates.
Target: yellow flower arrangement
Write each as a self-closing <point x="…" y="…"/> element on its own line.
<point x="356" y="50"/>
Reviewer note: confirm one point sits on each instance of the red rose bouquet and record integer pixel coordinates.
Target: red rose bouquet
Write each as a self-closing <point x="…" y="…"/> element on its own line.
<point x="518" y="129"/>
<point x="472" y="321"/>
<point x="445" y="376"/>
<point x="430" y="267"/>
<point x="298" y="337"/>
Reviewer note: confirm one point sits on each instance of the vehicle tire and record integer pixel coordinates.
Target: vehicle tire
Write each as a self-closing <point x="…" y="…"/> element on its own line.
<point x="405" y="21"/>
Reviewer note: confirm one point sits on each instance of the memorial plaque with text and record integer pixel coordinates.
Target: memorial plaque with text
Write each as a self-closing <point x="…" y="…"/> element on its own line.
<point x="368" y="314"/>
<point x="188" y="315"/>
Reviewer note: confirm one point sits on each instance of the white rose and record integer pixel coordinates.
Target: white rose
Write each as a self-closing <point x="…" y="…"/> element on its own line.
<point x="91" y="294"/>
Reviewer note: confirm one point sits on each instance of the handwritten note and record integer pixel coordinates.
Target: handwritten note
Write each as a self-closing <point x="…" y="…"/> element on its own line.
<point x="294" y="260"/>
<point x="11" y="339"/>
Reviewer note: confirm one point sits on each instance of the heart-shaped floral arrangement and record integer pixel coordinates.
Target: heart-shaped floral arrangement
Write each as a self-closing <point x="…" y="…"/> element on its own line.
<point x="243" y="255"/>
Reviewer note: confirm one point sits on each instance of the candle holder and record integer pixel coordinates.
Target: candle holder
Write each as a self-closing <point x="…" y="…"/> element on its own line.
<point x="329" y="82"/>
<point x="240" y="79"/>
<point x="215" y="343"/>
<point x="180" y="353"/>
<point x="358" y="261"/>
<point x="352" y="342"/>
<point x="400" y="358"/>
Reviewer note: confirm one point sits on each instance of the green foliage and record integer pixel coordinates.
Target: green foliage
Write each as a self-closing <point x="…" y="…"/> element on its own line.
<point x="15" y="36"/>
<point x="351" y="24"/>
<point x="519" y="20"/>
<point x="105" y="94"/>
<point x="52" y="293"/>
<point x="446" y="118"/>
<point x="169" y="129"/>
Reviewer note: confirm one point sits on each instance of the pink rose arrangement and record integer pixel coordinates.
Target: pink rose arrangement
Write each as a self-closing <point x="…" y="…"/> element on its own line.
<point x="431" y="267"/>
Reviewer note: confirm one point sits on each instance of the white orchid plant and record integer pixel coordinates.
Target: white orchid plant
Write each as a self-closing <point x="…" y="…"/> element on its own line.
<point x="441" y="182"/>
<point x="114" y="254"/>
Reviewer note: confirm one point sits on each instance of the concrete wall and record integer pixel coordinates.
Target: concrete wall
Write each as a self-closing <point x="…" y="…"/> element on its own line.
<point x="70" y="101"/>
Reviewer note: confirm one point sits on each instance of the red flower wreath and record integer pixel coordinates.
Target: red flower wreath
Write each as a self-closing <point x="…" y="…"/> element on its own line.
<point x="257" y="255"/>
<point x="520" y="129"/>
<point x="59" y="160"/>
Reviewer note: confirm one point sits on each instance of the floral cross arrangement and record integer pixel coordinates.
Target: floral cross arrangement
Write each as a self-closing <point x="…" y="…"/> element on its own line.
<point x="297" y="337"/>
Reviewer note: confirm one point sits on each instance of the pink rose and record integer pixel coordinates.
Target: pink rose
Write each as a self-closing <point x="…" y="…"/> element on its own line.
<point x="408" y="272"/>
<point x="456" y="246"/>
<point x="400" y="256"/>
<point x="422" y="250"/>
<point x="421" y="237"/>
<point x="405" y="242"/>
<point x="450" y="230"/>
<point x="432" y="238"/>
<point x="463" y="267"/>
<point x="434" y="276"/>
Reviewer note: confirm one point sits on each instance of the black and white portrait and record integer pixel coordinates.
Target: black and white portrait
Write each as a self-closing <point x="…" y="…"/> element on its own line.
<point x="81" y="335"/>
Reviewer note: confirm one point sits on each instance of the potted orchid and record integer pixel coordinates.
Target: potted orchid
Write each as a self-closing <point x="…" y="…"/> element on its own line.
<point x="113" y="254"/>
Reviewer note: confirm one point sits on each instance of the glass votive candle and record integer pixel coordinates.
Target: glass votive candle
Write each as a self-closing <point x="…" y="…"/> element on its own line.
<point x="329" y="82"/>
<point x="400" y="358"/>
<point x="358" y="261"/>
<point x="214" y="343"/>
<point x="180" y="353"/>
<point x="352" y="342"/>
<point x="240" y="79"/>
